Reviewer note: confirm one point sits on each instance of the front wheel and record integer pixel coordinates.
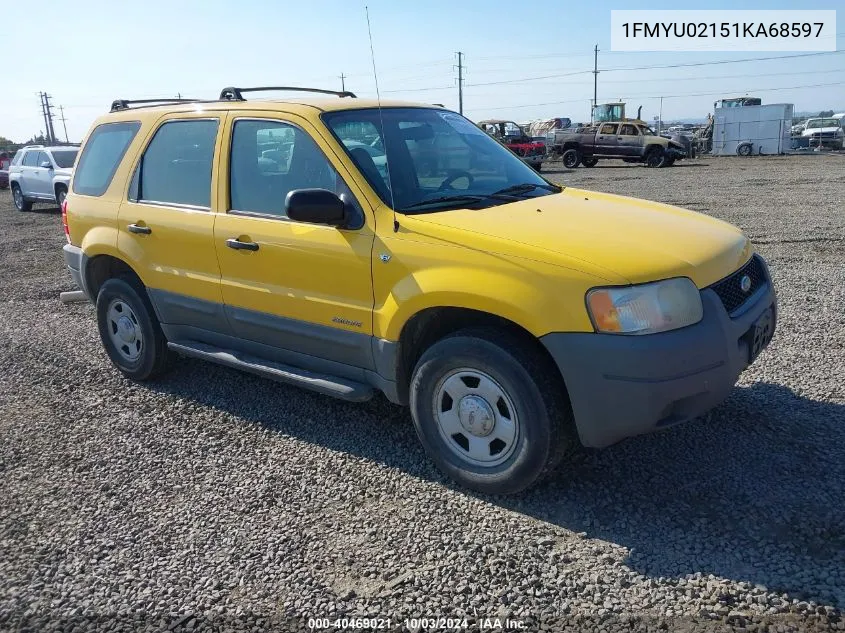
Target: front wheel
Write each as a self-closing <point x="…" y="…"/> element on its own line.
<point x="61" y="194"/>
<point x="571" y="158"/>
<point x="589" y="162"/>
<point x="490" y="412"/>
<point x="21" y="203"/>
<point x="656" y="158"/>
<point x="129" y="329"/>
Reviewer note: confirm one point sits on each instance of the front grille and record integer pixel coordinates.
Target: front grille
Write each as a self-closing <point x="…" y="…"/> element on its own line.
<point x="730" y="289"/>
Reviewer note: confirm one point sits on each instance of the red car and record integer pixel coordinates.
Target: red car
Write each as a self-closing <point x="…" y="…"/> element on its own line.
<point x="515" y="139"/>
<point x="5" y="160"/>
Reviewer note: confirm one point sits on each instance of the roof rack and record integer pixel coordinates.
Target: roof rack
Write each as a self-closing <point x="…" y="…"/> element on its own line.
<point x="236" y="94"/>
<point x="124" y="104"/>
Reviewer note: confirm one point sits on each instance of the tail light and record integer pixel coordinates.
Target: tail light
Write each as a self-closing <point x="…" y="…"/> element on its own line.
<point x="64" y="220"/>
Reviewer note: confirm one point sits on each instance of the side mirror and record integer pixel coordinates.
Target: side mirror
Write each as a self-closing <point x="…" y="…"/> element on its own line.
<point x="316" y="206"/>
<point x="47" y="165"/>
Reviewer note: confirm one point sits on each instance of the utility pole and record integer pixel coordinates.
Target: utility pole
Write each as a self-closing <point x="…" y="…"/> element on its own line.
<point x="660" y="117"/>
<point x="64" y="122"/>
<point x="51" y="133"/>
<point x="41" y="96"/>
<point x="460" y="82"/>
<point x="342" y="82"/>
<point x="595" y="77"/>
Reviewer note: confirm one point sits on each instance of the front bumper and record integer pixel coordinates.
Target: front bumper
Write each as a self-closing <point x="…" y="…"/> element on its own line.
<point x="75" y="262"/>
<point x="621" y="386"/>
<point x="676" y="153"/>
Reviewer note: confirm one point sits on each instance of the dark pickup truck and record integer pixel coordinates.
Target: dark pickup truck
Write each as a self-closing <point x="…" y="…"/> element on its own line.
<point x="632" y="141"/>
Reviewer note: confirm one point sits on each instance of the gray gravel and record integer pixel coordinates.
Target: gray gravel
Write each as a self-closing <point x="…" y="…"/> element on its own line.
<point x="216" y="500"/>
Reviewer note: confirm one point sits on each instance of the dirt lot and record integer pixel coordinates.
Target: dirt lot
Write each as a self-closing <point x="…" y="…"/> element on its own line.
<point x="213" y="499"/>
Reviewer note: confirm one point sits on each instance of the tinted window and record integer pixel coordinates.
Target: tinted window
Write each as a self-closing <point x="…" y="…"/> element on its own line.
<point x="101" y="156"/>
<point x="64" y="157"/>
<point x="268" y="160"/>
<point x="176" y="166"/>
<point x="31" y="158"/>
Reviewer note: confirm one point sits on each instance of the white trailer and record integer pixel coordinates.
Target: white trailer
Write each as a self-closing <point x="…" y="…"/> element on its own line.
<point x="752" y="129"/>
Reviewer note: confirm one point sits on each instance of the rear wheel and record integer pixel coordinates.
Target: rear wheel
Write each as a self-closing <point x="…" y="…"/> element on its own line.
<point x="589" y="162"/>
<point x="21" y="203"/>
<point x="744" y="149"/>
<point x="571" y="158"/>
<point x="129" y="329"/>
<point x="490" y="412"/>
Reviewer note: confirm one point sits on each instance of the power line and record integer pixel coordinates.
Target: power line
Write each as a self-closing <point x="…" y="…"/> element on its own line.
<point x="723" y="61"/>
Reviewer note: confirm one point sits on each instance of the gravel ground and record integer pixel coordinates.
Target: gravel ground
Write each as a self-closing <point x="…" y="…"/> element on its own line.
<point x="216" y="500"/>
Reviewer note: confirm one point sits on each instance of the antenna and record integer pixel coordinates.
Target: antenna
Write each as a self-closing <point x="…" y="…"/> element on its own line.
<point x="381" y="121"/>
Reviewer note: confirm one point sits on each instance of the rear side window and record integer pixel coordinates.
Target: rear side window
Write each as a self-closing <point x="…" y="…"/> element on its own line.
<point x="31" y="159"/>
<point x="101" y="157"/>
<point x="176" y="166"/>
<point x="18" y="157"/>
<point x="64" y="157"/>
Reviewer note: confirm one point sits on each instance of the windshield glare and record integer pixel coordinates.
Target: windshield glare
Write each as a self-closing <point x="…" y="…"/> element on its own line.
<point x="431" y="154"/>
<point x="814" y="123"/>
<point x="64" y="157"/>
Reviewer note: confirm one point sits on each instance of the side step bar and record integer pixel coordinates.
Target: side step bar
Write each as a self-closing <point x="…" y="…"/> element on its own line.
<point x="321" y="383"/>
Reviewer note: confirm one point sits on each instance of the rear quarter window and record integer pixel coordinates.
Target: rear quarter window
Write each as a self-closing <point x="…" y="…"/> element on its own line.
<point x="18" y="157"/>
<point x="101" y="156"/>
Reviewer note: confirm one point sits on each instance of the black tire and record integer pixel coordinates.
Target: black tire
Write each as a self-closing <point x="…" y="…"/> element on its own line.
<point x="21" y="203"/>
<point x="589" y="162"/>
<point x="669" y="162"/>
<point x="61" y="194"/>
<point x="744" y="149"/>
<point x="546" y="431"/>
<point x="571" y="158"/>
<point x="153" y="352"/>
<point x="655" y="158"/>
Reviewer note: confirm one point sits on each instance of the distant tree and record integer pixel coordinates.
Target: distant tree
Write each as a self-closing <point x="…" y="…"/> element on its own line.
<point x="825" y="113"/>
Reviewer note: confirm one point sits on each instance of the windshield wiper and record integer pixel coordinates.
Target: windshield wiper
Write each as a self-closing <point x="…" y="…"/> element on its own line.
<point x="445" y="200"/>
<point x="525" y="188"/>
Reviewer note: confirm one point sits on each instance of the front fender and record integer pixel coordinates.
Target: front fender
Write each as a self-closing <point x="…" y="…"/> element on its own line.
<point x="525" y="300"/>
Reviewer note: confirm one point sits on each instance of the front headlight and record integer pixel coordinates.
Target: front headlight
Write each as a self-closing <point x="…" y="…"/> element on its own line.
<point x="646" y="308"/>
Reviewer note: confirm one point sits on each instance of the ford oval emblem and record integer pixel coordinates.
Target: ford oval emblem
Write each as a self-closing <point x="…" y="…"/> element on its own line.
<point x="745" y="283"/>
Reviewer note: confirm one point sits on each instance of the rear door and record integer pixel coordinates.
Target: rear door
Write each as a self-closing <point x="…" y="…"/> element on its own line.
<point x="29" y="173"/>
<point x="166" y="223"/>
<point x="606" y="143"/>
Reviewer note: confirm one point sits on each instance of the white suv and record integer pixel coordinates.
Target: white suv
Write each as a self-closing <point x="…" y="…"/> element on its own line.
<point x="41" y="174"/>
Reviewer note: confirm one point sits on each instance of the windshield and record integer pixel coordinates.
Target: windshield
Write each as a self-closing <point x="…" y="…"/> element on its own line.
<point x="814" y="123"/>
<point x="436" y="159"/>
<point x="64" y="158"/>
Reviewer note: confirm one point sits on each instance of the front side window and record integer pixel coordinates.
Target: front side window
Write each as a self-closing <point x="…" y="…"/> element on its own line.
<point x="31" y="158"/>
<point x="43" y="158"/>
<point x="176" y="166"/>
<point x="269" y="159"/>
<point x="427" y="160"/>
<point x="102" y="154"/>
<point x="628" y="130"/>
<point x="64" y="158"/>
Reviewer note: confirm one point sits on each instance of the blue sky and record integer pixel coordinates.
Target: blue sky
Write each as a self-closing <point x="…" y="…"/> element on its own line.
<point x="101" y="50"/>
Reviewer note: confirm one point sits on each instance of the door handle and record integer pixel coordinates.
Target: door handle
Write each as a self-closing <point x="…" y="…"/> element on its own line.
<point x="141" y="230"/>
<point x="235" y="243"/>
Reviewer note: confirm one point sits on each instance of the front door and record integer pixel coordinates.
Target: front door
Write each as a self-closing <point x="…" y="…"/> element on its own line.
<point x="166" y="224"/>
<point x="629" y="141"/>
<point x="304" y="288"/>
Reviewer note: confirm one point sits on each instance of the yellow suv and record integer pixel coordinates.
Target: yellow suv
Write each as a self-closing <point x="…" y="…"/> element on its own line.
<point x="350" y="246"/>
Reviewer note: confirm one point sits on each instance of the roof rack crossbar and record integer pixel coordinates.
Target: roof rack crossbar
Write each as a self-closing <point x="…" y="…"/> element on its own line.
<point x="236" y="94"/>
<point x="124" y="104"/>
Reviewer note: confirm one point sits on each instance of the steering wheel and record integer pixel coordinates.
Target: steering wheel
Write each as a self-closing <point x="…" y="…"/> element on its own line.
<point x="453" y="176"/>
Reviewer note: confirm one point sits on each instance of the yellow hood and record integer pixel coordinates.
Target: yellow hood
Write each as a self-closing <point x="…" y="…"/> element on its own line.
<point x="636" y="239"/>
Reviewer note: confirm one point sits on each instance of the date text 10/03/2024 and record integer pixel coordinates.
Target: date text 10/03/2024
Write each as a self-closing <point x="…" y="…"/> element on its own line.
<point x="415" y="624"/>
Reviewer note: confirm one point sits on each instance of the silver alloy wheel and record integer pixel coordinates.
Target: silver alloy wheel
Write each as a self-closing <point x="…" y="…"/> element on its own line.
<point x="16" y="192"/>
<point x="124" y="330"/>
<point x="476" y="417"/>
